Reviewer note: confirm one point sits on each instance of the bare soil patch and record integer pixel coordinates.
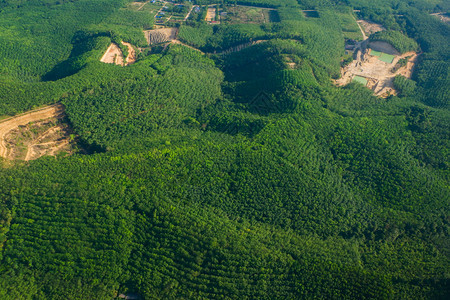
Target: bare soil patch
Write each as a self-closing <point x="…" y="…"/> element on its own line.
<point x="34" y="134"/>
<point x="370" y="27"/>
<point x="113" y="55"/>
<point x="162" y="35"/>
<point x="379" y="74"/>
<point x="211" y="14"/>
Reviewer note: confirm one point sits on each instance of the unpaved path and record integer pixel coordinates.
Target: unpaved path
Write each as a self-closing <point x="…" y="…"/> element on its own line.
<point x="240" y="47"/>
<point x="131" y="57"/>
<point x="12" y="123"/>
<point x="189" y="13"/>
<point x="181" y="43"/>
<point x="161" y="9"/>
<point x="362" y="31"/>
<point x="143" y="4"/>
<point x="225" y="52"/>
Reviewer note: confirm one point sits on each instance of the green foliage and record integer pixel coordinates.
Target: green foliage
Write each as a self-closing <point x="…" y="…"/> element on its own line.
<point x="288" y="13"/>
<point x="379" y="14"/>
<point x="86" y="49"/>
<point x="195" y="36"/>
<point x="232" y="35"/>
<point x="433" y="71"/>
<point x="43" y="38"/>
<point x="350" y="28"/>
<point x="137" y="106"/>
<point x="405" y="86"/>
<point x="398" y="40"/>
<point x="244" y="174"/>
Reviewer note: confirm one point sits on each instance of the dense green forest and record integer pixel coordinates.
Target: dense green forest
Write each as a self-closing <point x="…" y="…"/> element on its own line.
<point x="239" y="171"/>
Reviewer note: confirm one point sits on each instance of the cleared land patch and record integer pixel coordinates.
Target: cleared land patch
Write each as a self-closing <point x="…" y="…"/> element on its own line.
<point x="370" y="27"/>
<point x="378" y="70"/>
<point x="113" y="55"/>
<point x="249" y="15"/>
<point x="35" y="134"/>
<point x="210" y="14"/>
<point x="162" y="35"/>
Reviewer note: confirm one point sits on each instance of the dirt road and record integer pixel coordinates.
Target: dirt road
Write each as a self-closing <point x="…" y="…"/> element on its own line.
<point x="131" y="57"/>
<point x="181" y="43"/>
<point x="189" y="13"/>
<point x="12" y="123"/>
<point x="362" y="31"/>
<point x="143" y="4"/>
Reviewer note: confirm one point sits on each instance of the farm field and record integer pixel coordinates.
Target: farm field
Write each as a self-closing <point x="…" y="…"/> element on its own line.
<point x="245" y="14"/>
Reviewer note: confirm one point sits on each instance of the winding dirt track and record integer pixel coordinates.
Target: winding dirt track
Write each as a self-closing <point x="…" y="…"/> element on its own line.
<point x="131" y="58"/>
<point x="32" y="116"/>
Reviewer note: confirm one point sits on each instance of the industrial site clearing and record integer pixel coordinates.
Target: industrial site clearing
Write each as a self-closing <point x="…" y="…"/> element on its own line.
<point x="377" y="70"/>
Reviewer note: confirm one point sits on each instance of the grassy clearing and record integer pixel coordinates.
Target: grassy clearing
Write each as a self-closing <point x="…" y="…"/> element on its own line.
<point x="387" y="58"/>
<point x="375" y="53"/>
<point x="360" y="79"/>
